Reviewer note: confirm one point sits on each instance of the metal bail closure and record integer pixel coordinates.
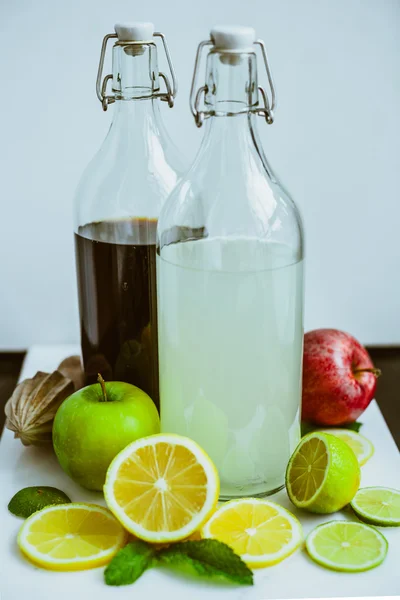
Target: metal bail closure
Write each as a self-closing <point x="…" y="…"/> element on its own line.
<point x="101" y="85"/>
<point x="195" y="94"/>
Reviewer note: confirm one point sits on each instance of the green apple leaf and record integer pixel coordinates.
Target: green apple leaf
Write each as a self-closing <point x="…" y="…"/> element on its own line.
<point x="356" y="426"/>
<point x="309" y="427"/>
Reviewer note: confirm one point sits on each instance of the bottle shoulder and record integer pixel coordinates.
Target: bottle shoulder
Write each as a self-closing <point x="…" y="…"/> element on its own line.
<point x="234" y="194"/>
<point x="131" y="174"/>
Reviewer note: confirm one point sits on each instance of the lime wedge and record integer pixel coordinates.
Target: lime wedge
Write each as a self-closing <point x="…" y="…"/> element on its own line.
<point x="360" y="445"/>
<point x="347" y="546"/>
<point x="378" y="505"/>
<point x="323" y="473"/>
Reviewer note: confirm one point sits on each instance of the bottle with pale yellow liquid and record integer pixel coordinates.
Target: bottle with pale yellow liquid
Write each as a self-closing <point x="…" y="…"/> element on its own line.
<point x="230" y="282"/>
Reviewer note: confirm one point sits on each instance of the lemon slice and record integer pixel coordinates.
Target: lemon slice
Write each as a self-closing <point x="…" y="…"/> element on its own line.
<point x="323" y="473"/>
<point x="261" y="532"/>
<point x="71" y="537"/>
<point x="360" y="445"/>
<point x="378" y="505"/>
<point x="347" y="546"/>
<point x="162" y="487"/>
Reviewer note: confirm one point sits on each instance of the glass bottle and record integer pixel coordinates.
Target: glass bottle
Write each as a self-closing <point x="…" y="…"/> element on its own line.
<point x="117" y="205"/>
<point x="230" y="284"/>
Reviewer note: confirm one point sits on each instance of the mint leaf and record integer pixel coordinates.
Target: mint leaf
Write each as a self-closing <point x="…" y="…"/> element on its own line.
<point x="129" y="563"/>
<point x="309" y="427"/>
<point x="207" y="558"/>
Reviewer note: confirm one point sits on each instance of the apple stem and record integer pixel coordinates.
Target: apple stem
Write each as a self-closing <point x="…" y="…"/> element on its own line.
<point x="376" y="372"/>
<point x="103" y="387"/>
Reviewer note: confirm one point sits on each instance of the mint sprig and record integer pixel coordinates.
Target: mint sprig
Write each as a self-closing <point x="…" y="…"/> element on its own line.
<point x="129" y="563"/>
<point x="205" y="558"/>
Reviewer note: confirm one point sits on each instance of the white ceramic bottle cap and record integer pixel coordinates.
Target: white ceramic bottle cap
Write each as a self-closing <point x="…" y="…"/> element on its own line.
<point x="134" y="32"/>
<point x="233" y="37"/>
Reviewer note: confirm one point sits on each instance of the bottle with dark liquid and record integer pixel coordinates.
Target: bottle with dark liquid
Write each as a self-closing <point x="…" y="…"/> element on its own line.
<point x="117" y="205"/>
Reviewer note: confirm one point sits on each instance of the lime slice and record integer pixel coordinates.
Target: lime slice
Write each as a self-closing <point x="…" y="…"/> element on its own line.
<point x="347" y="546"/>
<point x="323" y="473"/>
<point x="378" y="505"/>
<point x="360" y="445"/>
<point x="31" y="499"/>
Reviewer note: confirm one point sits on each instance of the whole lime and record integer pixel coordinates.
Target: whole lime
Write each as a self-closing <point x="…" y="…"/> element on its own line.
<point x="95" y="423"/>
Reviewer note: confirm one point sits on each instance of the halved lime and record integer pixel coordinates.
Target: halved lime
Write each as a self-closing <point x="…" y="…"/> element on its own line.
<point x="378" y="505"/>
<point x="347" y="546"/>
<point x="360" y="445"/>
<point x="323" y="473"/>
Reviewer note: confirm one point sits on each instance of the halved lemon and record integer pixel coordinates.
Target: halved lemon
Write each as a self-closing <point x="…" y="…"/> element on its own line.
<point x="360" y="445"/>
<point x="162" y="487"/>
<point x="261" y="532"/>
<point x="323" y="473"/>
<point x="71" y="537"/>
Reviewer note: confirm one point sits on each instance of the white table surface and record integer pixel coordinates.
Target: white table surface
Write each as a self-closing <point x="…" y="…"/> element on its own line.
<point x="296" y="577"/>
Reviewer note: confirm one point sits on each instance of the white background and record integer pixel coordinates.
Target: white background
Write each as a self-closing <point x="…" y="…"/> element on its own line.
<point x="335" y="146"/>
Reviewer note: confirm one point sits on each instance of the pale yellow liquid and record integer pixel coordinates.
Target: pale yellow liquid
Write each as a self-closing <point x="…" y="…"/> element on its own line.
<point x="230" y="348"/>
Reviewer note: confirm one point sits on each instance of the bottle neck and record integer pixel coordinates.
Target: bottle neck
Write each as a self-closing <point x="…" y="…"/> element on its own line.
<point x="136" y="123"/>
<point x="135" y="71"/>
<point x="228" y="133"/>
<point x="231" y="145"/>
<point x="231" y="83"/>
<point x="135" y="83"/>
<point x="231" y="139"/>
<point x="231" y="92"/>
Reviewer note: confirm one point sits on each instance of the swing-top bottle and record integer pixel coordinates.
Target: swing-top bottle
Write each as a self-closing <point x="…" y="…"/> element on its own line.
<point x="117" y="205"/>
<point x="230" y="282"/>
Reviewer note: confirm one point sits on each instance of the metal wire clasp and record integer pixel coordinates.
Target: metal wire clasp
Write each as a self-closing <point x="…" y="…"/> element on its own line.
<point x="266" y="111"/>
<point x="101" y="85"/>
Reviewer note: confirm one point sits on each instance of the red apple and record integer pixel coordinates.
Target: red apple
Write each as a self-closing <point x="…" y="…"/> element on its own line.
<point x="339" y="379"/>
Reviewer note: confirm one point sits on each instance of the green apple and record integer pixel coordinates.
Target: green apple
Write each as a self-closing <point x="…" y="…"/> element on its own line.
<point x="95" y="423"/>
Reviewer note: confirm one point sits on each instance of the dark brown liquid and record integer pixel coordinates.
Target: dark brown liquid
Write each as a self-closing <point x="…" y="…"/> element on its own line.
<point x="116" y="266"/>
